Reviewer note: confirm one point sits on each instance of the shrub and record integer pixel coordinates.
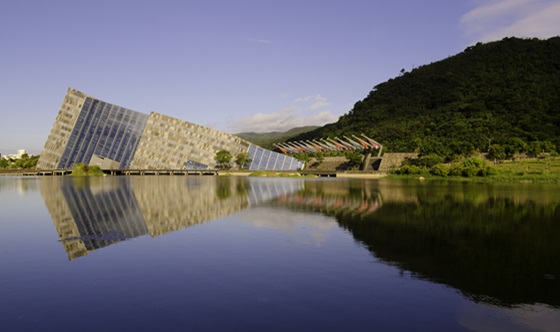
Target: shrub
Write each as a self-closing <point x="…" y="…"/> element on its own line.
<point x="409" y="169"/>
<point x="429" y="160"/>
<point x="456" y="169"/>
<point x="470" y="171"/>
<point x="82" y="169"/>
<point x="472" y="167"/>
<point x="473" y="162"/>
<point x="440" y="170"/>
<point x="490" y="171"/>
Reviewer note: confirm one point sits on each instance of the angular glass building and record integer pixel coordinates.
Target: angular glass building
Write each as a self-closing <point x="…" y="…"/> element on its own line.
<point x="89" y="130"/>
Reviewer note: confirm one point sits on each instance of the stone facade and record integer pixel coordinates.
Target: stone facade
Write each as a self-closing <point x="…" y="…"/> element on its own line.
<point x="169" y="143"/>
<point x="391" y="161"/>
<point x="62" y="129"/>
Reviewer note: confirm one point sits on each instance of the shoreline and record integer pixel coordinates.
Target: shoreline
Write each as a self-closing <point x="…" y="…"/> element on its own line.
<point x="552" y="177"/>
<point x="329" y="174"/>
<point x="334" y="174"/>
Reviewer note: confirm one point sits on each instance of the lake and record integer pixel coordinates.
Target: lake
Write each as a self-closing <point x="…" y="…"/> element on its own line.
<point x="204" y="253"/>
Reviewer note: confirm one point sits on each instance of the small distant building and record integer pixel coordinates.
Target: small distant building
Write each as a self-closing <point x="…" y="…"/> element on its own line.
<point x="17" y="155"/>
<point x="89" y="130"/>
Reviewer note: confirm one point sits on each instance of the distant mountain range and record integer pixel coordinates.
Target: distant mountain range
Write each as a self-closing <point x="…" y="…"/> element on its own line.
<point x="266" y="140"/>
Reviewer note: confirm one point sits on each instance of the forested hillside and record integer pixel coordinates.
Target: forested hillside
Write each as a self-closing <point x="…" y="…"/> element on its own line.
<point x="501" y="96"/>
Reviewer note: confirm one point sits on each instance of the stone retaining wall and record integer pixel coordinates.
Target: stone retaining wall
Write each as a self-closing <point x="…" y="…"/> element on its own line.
<point x="387" y="163"/>
<point x="390" y="161"/>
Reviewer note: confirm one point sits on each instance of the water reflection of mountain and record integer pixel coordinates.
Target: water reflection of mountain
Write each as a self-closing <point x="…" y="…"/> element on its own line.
<point x="496" y="244"/>
<point x="93" y="213"/>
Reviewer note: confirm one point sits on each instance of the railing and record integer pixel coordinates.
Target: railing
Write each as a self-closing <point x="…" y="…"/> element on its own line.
<point x="158" y="172"/>
<point x="115" y="172"/>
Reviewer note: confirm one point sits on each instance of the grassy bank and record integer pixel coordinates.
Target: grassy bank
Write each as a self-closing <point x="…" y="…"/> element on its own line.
<point x="524" y="170"/>
<point x="534" y="169"/>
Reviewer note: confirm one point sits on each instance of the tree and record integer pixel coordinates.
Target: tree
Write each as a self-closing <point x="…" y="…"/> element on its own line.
<point x="303" y="157"/>
<point x="31" y="162"/>
<point x="538" y="147"/>
<point x="354" y="158"/>
<point x="242" y="158"/>
<point x="19" y="162"/>
<point x="497" y="152"/>
<point x="223" y="158"/>
<point x="516" y="146"/>
<point x="25" y="161"/>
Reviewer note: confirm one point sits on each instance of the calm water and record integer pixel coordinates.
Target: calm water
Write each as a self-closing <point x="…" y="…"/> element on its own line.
<point x="257" y="254"/>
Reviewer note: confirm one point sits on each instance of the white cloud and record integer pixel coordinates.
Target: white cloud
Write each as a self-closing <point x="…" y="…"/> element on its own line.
<point x="494" y="20"/>
<point x="304" y="99"/>
<point x="303" y="228"/>
<point x="282" y="120"/>
<point x="319" y="102"/>
<point x="303" y="112"/>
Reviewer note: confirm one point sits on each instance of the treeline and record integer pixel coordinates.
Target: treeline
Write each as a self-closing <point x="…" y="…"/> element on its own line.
<point x="26" y="161"/>
<point x="502" y="98"/>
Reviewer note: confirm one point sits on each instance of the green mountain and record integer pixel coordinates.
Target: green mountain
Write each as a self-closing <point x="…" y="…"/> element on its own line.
<point x="499" y="95"/>
<point x="266" y="140"/>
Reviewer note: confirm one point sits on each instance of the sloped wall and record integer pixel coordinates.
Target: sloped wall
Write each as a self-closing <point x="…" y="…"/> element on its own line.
<point x="390" y="161"/>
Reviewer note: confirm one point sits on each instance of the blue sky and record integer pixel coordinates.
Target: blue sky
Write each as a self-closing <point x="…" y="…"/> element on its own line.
<point x="236" y="66"/>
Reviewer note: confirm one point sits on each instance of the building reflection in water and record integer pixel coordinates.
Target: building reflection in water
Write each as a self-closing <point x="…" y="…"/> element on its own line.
<point x="91" y="213"/>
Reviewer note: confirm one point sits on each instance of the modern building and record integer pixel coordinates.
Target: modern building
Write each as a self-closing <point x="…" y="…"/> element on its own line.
<point x="89" y="130"/>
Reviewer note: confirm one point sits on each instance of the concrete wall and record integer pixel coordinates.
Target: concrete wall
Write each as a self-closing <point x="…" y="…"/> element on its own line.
<point x="386" y="163"/>
<point x="390" y="161"/>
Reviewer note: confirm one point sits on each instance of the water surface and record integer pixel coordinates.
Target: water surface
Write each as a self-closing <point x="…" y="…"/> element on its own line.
<point x="259" y="254"/>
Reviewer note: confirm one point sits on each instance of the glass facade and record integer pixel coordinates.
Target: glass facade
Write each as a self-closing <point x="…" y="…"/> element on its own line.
<point x="106" y="130"/>
<point x="194" y="165"/>
<point x="263" y="159"/>
<point x="103" y="218"/>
